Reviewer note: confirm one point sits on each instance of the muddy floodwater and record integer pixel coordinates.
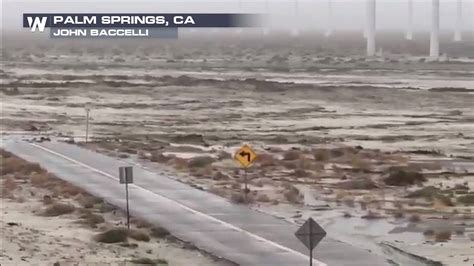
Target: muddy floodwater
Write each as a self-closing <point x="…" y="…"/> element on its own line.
<point x="322" y="131"/>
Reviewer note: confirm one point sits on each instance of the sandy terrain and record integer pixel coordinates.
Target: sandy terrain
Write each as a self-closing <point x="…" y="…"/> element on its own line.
<point x="378" y="150"/>
<point x="30" y="237"/>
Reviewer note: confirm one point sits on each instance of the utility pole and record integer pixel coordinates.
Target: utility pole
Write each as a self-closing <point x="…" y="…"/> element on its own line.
<point x="87" y="123"/>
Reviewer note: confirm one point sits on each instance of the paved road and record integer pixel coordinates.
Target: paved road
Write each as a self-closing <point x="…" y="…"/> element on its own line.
<point x="231" y="231"/>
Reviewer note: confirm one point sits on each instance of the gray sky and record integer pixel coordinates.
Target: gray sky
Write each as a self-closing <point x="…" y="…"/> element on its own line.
<point x="347" y="14"/>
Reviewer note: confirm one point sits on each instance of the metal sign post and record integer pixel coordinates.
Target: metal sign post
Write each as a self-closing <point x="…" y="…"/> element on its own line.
<point x="126" y="177"/>
<point x="310" y="234"/>
<point x="245" y="156"/>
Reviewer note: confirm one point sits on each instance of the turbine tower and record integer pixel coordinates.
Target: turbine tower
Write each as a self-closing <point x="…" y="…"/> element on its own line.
<point x="295" y="31"/>
<point x="370" y="27"/>
<point x="409" y="35"/>
<point x="266" y="30"/>
<point x="434" y="40"/>
<point x="329" y="21"/>
<point x="239" y="30"/>
<point x="457" y="33"/>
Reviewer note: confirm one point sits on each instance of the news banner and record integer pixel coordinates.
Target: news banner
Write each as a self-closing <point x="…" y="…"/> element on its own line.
<point x="140" y="25"/>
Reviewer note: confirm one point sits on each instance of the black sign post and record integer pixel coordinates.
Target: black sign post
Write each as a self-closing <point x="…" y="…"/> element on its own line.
<point x="126" y="177"/>
<point x="310" y="234"/>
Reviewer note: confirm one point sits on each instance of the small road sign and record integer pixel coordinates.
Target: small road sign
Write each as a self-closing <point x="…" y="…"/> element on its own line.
<point x="126" y="177"/>
<point x="245" y="156"/>
<point x="310" y="234"/>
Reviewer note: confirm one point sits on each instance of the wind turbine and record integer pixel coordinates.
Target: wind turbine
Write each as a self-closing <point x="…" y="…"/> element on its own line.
<point x="295" y="31"/>
<point x="329" y="21"/>
<point x="434" y="40"/>
<point x="239" y="30"/>
<point x="371" y="7"/>
<point x="266" y="30"/>
<point x="457" y="32"/>
<point x="409" y="34"/>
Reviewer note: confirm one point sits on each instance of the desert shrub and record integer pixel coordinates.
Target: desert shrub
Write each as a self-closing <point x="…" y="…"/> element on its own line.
<point x="466" y="199"/>
<point x="263" y="198"/>
<point x="362" y="183"/>
<point x="305" y="163"/>
<point x="291" y="155"/>
<point x="88" y="201"/>
<point x="9" y="184"/>
<point x="300" y="173"/>
<point x="398" y="214"/>
<point x="442" y="236"/>
<point x="218" y="191"/>
<point x="13" y="164"/>
<point x="114" y="235"/>
<point x="5" y="154"/>
<point x="128" y="150"/>
<point x="292" y="194"/>
<point x="235" y="186"/>
<point x="92" y="218"/>
<point x="105" y="207"/>
<point x="224" y="155"/>
<point x="202" y="172"/>
<point x="444" y="200"/>
<point x="68" y="190"/>
<point x="428" y="232"/>
<point x="179" y="163"/>
<point x="123" y="155"/>
<point x="266" y="160"/>
<point x="321" y="155"/>
<point x="158" y="231"/>
<point x="415" y="218"/>
<point x="349" y="202"/>
<point x="201" y="161"/>
<point x="359" y="163"/>
<point x="142" y="223"/>
<point x="158" y="157"/>
<point x="400" y="177"/>
<point x="39" y="179"/>
<point x="220" y="176"/>
<point x="237" y="197"/>
<point x="290" y="164"/>
<point x="372" y="215"/>
<point x="148" y="261"/>
<point x="461" y="187"/>
<point x="426" y="192"/>
<point x="139" y="235"/>
<point x="47" y="200"/>
<point x="58" y="209"/>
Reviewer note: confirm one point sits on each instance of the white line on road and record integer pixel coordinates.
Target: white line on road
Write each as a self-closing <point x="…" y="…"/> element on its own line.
<point x="228" y="225"/>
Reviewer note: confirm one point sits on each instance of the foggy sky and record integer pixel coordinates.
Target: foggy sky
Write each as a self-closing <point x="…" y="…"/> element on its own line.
<point x="311" y="14"/>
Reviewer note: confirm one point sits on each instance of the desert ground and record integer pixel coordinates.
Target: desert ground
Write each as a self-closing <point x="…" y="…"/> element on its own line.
<point x="377" y="150"/>
<point x="46" y="221"/>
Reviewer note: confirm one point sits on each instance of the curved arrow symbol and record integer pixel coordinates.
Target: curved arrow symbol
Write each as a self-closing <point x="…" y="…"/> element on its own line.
<point x="243" y="154"/>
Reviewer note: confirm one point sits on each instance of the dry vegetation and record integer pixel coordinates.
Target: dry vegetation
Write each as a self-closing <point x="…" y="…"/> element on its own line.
<point x="61" y="198"/>
<point x="358" y="178"/>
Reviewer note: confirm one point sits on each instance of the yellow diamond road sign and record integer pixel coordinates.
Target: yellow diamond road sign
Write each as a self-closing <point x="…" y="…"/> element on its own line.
<point x="245" y="156"/>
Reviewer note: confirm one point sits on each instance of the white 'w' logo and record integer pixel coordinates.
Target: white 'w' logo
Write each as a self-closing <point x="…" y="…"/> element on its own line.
<point x="37" y="23"/>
